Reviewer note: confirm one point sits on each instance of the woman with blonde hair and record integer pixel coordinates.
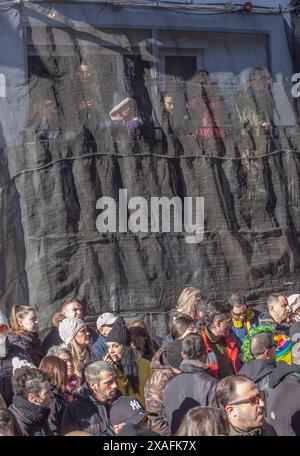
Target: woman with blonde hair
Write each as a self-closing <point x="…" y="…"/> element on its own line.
<point x="188" y="302"/>
<point x="24" y="333"/>
<point x="187" y="305"/>
<point x="75" y="335"/>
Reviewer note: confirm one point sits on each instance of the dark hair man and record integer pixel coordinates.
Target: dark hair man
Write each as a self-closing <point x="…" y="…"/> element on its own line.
<point x="244" y="405"/>
<point x="31" y="401"/>
<point x="89" y="411"/>
<point x="222" y="350"/>
<point x="243" y="319"/>
<point x="193" y="386"/>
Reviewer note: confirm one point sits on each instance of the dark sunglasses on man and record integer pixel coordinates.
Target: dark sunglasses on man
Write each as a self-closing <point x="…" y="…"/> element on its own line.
<point x="253" y="400"/>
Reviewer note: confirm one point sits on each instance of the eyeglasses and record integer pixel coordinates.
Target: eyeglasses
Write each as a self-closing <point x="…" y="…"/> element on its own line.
<point x="242" y="314"/>
<point x="273" y="344"/>
<point x="253" y="400"/>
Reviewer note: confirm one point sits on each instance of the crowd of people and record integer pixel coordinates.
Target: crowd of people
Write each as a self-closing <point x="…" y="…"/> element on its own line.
<point x="223" y="369"/>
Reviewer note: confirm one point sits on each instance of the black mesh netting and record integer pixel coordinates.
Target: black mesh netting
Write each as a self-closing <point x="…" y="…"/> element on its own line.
<point x="170" y="113"/>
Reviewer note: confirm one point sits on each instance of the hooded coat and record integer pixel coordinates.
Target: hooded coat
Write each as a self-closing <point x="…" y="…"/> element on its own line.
<point x="259" y="371"/>
<point x="87" y="414"/>
<point x="284" y="399"/>
<point x="193" y="387"/>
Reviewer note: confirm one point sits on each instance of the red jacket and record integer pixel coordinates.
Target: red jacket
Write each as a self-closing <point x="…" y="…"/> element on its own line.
<point x="232" y="353"/>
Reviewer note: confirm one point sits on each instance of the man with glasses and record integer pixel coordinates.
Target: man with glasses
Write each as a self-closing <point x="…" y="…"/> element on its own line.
<point x="259" y="353"/>
<point x="244" y="405"/>
<point x="222" y="350"/>
<point x="243" y="319"/>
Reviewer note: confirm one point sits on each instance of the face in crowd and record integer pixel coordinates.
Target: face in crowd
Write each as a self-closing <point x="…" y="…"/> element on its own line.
<point x="44" y="397"/>
<point x="30" y="322"/>
<point x="221" y="325"/>
<point x="73" y="310"/>
<point x="279" y="309"/>
<point x="106" y="388"/>
<point x="82" y="337"/>
<point x="67" y="358"/>
<point x="246" y="412"/>
<point x="239" y="312"/>
<point x="168" y="103"/>
<point x="114" y="350"/>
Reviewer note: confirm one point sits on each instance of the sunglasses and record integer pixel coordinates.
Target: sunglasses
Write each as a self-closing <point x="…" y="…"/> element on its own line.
<point x="253" y="400"/>
<point x="240" y="314"/>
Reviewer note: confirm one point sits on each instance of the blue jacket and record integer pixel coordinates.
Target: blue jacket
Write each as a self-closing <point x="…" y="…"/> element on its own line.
<point x="99" y="347"/>
<point x="240" y="333"/>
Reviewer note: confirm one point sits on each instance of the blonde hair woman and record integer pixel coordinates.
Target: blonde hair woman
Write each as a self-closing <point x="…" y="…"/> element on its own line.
<point x="188" y="301"/>
<point x="75" y="335"/>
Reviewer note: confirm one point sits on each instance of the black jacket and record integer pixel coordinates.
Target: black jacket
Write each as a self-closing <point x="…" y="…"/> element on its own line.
<point x="32" y="419"/>
<point x="58" y="406"/>
<point x="193" y="387"/>
<point x="27" y="344"/>
<point x="259" y="370"/>
<point x="86" y="414"/>
<point x="53" y="338"/>
<point x="283" y="403"/>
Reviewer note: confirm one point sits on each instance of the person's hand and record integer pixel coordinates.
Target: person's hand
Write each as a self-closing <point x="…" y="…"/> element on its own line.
<point x="117" y="428"/>
<point x="107" y="358"/>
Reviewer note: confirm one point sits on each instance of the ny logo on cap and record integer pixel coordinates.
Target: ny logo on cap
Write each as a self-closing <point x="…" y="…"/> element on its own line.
<point x="135" y="405"/>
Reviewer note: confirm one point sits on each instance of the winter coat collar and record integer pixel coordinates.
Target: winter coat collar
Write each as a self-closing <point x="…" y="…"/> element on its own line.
<point x="234" y="431"/>
<point x="257" y="369"/>
<point x="159" y="361"/>
<point x="32" y="412"/>
<point x="193" y="367"/>
<point x="282" y="370"/>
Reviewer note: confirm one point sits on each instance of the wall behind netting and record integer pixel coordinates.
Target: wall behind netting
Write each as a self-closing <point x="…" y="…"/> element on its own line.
<point x="162" y="104"/>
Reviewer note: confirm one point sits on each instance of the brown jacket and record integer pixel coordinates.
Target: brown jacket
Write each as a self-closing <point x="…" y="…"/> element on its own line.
<point x="160" y="374"/>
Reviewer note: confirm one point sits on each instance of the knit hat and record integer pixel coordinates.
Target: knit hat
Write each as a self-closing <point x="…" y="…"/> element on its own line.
<point x="69" y="327"/>
<point x="127" y="410"/>
<point x="120" y="334"/>
<point x="3" y="319"/>
<point x="173" y="353"/>
<point x="106" y="319"/>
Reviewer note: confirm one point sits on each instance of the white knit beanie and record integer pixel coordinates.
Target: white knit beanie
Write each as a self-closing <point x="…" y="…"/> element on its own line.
<point x="69" y="327"/>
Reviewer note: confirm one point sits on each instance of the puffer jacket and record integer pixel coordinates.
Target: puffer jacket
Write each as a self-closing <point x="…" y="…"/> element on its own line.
<point x="29" y="344"/>
<point x="86" y="414"/>
<point x="161" y="372"/>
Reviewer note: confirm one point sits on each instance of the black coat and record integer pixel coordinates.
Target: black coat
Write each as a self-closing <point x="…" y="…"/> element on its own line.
<point x="283" y="403"/>
<point x="57" y="409"/>
<point x="28" y="345"/>
<point x="259" y="371"/>
<point x="32" y="419"/>
<point x="86" y="414"/>
<point x="193" y="387"/>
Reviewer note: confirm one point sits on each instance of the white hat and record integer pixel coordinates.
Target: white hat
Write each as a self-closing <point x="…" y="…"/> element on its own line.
<point x="3" y="319"/>
<point x="69" y="327"/>
<point x="113" y="113"/>
<point x="106" y="319"/>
